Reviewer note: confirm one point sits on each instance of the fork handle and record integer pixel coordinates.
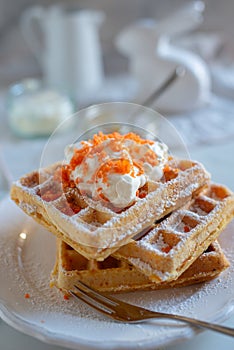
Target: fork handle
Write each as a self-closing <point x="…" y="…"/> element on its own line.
<point x="198" y="323"/>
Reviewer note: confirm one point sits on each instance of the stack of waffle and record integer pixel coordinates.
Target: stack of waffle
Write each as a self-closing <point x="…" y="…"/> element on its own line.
<point x="166" y="239"/>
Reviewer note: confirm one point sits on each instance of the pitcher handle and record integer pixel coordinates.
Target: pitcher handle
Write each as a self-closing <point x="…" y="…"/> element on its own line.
<point x="30" y="18"/>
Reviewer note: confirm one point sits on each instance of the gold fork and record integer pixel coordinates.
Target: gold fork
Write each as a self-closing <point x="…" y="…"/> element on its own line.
<point x="125" y="312"/>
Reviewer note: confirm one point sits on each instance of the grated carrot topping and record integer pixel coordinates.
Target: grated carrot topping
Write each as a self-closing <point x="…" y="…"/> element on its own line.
<point x="100" y="137"/>
<point x="120" y="166"/>
<point x="95" y="146"/>
<point x="134" y="137"/>
<point x="79" y="155"/>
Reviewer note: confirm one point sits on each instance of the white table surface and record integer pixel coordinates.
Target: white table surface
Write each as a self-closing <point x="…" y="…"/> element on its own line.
<point x="217" y="156"/>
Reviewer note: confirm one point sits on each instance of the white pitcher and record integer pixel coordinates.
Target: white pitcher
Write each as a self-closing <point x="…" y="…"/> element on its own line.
<point x="67" y="46"/>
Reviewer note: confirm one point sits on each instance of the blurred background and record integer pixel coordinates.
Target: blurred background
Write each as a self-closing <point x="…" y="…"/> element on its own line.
<point x="17" y="61"/>
<point x="56" y="58"/>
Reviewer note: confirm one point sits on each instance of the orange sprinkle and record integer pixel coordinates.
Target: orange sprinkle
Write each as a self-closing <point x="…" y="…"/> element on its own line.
<point x="27" y="295"/>
<point x="166" y="249"/>
<point x="186" y="228"/>
<point x="141" y="193"/>
<point x="66" y="297"/>
<point x="170" y="173"/>
<point x="140" y="168"/>
<point x="150" y="157"/>
<point x="101" y="195"/>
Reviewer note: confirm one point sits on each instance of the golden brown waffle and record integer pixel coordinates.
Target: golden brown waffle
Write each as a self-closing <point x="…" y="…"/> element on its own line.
<point x="113" y="275"/>
<point x="167" y="250"/>
<point x="97" y="233"/>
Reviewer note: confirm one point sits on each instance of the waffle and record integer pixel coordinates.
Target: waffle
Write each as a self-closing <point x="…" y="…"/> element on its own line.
<point x="172" y="245"/>
<point x="96" y="233"/>
<point x="113" y="275"/>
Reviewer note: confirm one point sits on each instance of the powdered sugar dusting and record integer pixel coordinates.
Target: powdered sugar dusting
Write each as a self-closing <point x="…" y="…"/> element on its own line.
<point x="119" y="228"/>
<point x="25" y="267"/>
<point x="164" y="252"/>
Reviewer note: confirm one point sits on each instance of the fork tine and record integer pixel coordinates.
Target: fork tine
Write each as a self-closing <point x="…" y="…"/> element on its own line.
<point x="91" y="302"/>
<point x="109" y="302"/>
<point x="121" y="310"/>
<point x="125" y="312"/>
<point x="110" y="306"/>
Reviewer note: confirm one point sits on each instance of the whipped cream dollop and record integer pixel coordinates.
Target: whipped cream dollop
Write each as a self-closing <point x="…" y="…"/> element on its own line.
<point x="114" y="167"/>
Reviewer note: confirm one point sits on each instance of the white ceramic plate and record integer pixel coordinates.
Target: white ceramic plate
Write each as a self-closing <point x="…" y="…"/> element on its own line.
<point x="26" y="261"/>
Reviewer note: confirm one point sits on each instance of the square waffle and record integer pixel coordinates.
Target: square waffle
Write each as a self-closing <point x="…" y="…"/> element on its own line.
<point x="114" y="275"/>
<point x="171" y="246"/>
<point x="96" y="233"/>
